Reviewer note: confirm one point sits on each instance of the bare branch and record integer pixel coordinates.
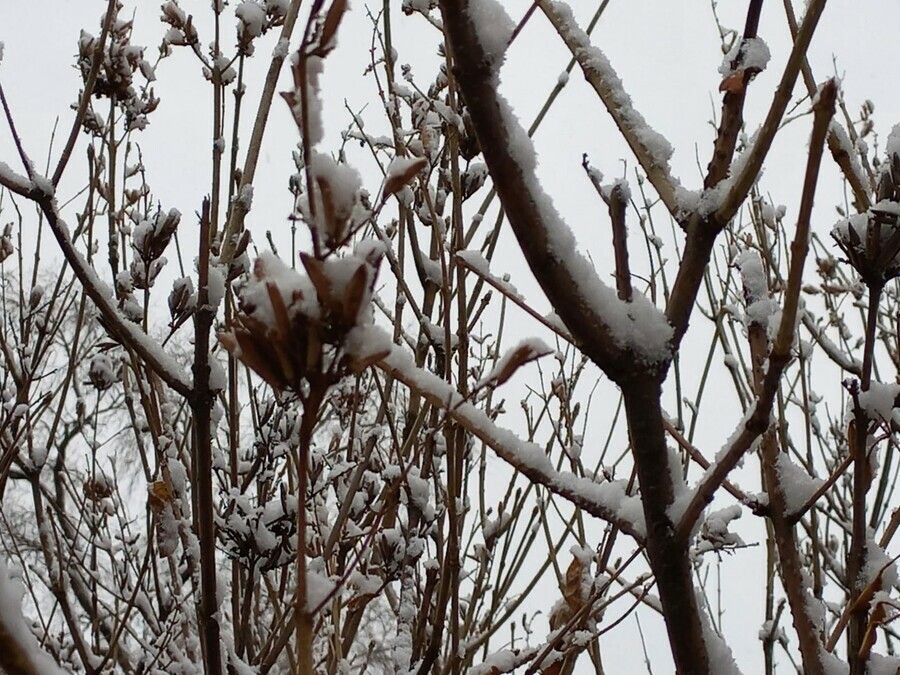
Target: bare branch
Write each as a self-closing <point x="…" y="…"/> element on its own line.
<point x="757" y="421"/>
<point x="607" y="501"/>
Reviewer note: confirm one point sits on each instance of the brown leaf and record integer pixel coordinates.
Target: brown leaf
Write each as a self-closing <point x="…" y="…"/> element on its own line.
<point x="518" y="357"/>
<point x="279" y="311"/>
<point x="394" y="182"/>
<point x="354" y="294"/>
<point x="334" y="227"/>
<point x="734" y="83"/>
<point x="317" y="276"/>
<point x="158" y="495"/>
<point x="572" y="591"/>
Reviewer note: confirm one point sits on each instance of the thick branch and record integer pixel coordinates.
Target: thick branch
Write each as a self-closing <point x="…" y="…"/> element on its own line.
<point x="568" y="280"/>
<point x="667" y="548"/>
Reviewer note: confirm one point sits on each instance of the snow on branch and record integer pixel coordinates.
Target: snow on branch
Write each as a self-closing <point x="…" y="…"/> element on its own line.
<point x="745" y="175"/>
<point x="608" y="500"/>
<point x="616" y="334"/>
<point x="19" y="649"/>
<point x="650" y="147"/>
<point x="14" y="182"/>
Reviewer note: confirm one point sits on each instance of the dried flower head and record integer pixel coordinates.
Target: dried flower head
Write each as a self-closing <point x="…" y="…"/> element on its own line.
<point x="291" y="329"/>
<point x="871" y="240"/>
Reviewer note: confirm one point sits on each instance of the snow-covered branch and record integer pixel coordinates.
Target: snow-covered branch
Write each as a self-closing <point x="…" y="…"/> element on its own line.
<point x="650" y="148"/>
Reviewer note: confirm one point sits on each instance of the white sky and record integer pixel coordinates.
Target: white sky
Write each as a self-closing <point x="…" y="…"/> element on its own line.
<point x="667" y="53"/>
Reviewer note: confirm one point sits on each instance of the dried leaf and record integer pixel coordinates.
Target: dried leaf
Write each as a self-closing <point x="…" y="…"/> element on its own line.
<point x="317" y="276"/>
<point x="734" y="83"/>
<point x="354" y="294"/>
<point x="515" y="359"/>
<point x="400" y="173"/>
<point x="279" y="311"/>
<point x="159" y="496"/>
<point x="572" y="591"/>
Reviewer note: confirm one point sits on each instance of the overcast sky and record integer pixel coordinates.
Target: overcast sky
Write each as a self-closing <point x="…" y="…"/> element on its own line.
<point x="666" y="52"/>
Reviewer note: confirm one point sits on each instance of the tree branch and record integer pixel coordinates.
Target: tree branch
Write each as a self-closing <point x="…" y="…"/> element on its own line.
<point x="750" y="169"/>
<point x="128" y="333"/>
<point x="607" y="501"/>
<point x="609" y="331"/>
<point x="650" y="148"/>
<point x="757" y="421"/>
